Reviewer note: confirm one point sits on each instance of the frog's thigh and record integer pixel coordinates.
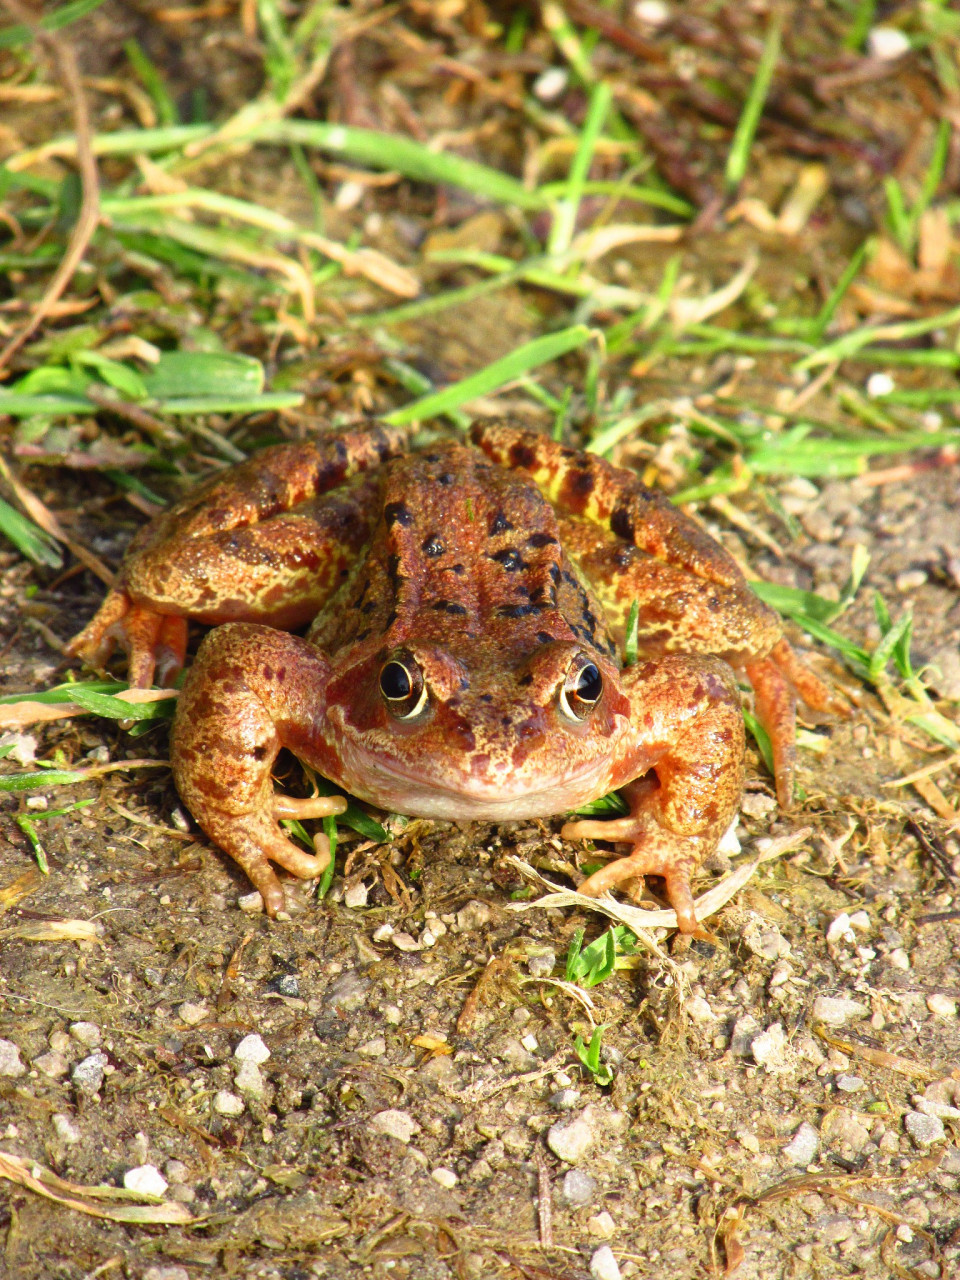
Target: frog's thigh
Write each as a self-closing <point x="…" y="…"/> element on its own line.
<point x="279" y="571"/>
<point x="688" y="728"/>
<point x="586" y="486"/>
<point x="677" y="610"/>
<point x="251" y="691"/>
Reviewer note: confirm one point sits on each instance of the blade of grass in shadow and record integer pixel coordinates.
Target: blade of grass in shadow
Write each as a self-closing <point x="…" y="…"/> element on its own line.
<point x="29" y="539"/>
<point x="495" y="375"/>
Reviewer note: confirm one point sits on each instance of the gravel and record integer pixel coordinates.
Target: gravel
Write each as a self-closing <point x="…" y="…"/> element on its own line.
<point x="570" y="1140"/>
<point x="924" y="1129"/>
<point x="252" y="1049"/>
<point x="803" y="1146"/>
<point x="603" y="1265"/>
<point x="836" y="1010"/>
<point x="145" y="1179"/>
<point x="579" y="1187"/>
<point x="88" y="1075"/>
<point x="10" y="1064"/>
<point x="395" y="1124"/>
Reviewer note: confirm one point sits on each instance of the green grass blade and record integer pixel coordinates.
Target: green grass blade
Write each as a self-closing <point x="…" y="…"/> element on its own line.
<point x="565" y="213"/>
<point x="29" y="539"/>
<point x="529" y="356"/>
<point x="746" y="129"/>
<point x="55" y="21"/>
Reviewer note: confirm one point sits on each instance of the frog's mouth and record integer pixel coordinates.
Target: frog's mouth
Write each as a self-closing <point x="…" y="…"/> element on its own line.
<point x="475" y="794"/>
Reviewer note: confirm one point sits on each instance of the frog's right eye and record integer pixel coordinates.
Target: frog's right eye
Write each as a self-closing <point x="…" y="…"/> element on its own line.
<point x="401" y="683"/>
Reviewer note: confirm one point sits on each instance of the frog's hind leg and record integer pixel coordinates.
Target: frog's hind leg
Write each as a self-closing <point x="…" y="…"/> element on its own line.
<point x="268" y="540"/>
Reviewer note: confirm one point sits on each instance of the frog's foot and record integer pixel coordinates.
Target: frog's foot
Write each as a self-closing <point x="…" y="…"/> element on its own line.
<point x="155" y="643"/>
<point x="777" y="680"/>
<point x="656" y="852"/>
<point x="255" y="841"/>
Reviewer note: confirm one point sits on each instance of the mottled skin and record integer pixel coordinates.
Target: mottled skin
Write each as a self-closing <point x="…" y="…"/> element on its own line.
<point x="469" y="606"/>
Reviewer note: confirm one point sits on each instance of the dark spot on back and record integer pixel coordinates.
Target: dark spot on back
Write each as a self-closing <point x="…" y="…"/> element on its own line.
<point x="516" y="610"/>
<point x="447" y="606"/>
<point x="544" y="637"/>
<point x="582" y="481"/>
<point x="499" y="524"/>
<point x="268" y="673"/>
<point x="622" y="524"/>
<point x="445" y="477"/>
<point x="509" y="558"/>
<point x="432" y="546"/>
<point x="522" y="455"/>
<point x="398" y="513"/>
<point x="541" y="540"/>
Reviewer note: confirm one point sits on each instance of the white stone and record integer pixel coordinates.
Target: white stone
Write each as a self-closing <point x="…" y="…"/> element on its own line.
<point x="942" y="1006"/>
<point x="769" y="1047"/>
<point x="850" y="1084"/>
<point x="803" y="1146"/>
<point x="446" y="1177"/>
<point x="355" y="895"/>
<point x="880" y="384"/>
<point x="570" y="1140"/>
<point x="603" y="1265"/>
<point x="86" y="1033"/>
<point x="22" y="747"/>
<point x="899" y="959"/>
<point x="249" y="1080"/>
<point x="53" y="1065"/>
<point x="383" y="933"/>
<point x="887" y="43"/>
<point x="579" y="1188"/>
<point x="924" y="1129"/>
<point x="252" y="1049"/>
<point x="166" y="1273"/>
<point x="193" y="1014"/>
<point x="840" y="930"/>
<point x="728" y="846"/>
<point x="65" y="1129"/>
<point x="88" y="1074"/>
<point x="406" y="942"/>
<point x="549" y="84"/>
<point x="473" y="916"/>
<point x="251" y="903"/>
<point x="395" y="1124"/>
<point x="374" y="1048"/>
<point x="146" y="1180"/>
<point x="530" y="1043"/>
<point x="699" y="1010"/>
<point x="836" y="1010"/>
<point x="10" y="1059"/>
<point x="602" y="1225"/>
<point x="653" y="12"/>
<point x="226" y="1103"/>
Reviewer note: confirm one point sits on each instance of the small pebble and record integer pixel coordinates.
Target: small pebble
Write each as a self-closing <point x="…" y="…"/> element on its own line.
<point x="698" y="1010"/>
<point x="86" y="1033"/>
<point x="887" y="43"/>
<point x="745" y="1030"/>
<point x="473" y="916"/>
<point x="10" y="1064"/>
<point x="653" y="12"/>
<point x="445" y="1177"/>
<point x="384" y="932"/>
<point x="21" y="747"/>
<point x="88" y="1075"/>
<point x="603" y="1265"/>
<point x="899" y="959"/>
<point x="251" y="903"/>
<point x="542" y="964"/>
<point x="749" y="1141"/>
<point x="578" y="1188"/>
<point x="570" y="1140"/>
<point x="251" y="1049"/>
<point x="249" y="1080"/>
<point x="355" y="895"/>
<point x="348" y="992"/>
<point x="942" y="1006"/>
<point x="924" y="1129"/>
<point x="166" y="1273"/>
<point x="530" y="1043"/>
<point x="840" y="930"/>
<point x="287" y="984"/>
<point x="374" y="1048"/>
<point x="550" y="84"/>
<point x="565" y="1099"/>
<point x="406" y="942"/>
<point x="65" y="1129"/>
<point x="176" y="1171"/>
<point x="395" y="1124"/>
<point x="602" y="1225"/>
<point x="146" y="1179"/>
<point x="880" y="384"/>
<point x="850" y="1084"/>
<point x="836" y="1010"/>
<point x="803" y="1146"/>
<point x="52" y="1065"/>
<point x="770" y="1046"/>
<point x="226" y="1103"/>
<point x="193" y="1014"/>
<point x="910" y="580"/>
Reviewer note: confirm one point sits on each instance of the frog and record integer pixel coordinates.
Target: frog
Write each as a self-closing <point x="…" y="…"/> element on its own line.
<point x="441" y="632"/>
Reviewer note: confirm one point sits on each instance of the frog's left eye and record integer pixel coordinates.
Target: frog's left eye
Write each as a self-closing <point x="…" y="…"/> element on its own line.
<point x="401" y="683"/>
<point x="581" y="689"/>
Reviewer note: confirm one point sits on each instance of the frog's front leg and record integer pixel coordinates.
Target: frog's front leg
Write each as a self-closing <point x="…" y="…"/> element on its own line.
<point x="251" y="691"/>
<point x="687" y="728"/>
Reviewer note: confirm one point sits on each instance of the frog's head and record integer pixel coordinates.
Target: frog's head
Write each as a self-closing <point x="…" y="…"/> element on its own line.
<point x="455" y="731"/>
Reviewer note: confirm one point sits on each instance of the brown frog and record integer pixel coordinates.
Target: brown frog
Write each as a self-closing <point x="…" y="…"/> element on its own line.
<point x="466" y="608"/>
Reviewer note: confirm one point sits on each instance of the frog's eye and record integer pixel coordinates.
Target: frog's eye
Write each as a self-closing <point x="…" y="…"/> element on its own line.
<point x="401" y="684"/>
<point x="581" y="689"/>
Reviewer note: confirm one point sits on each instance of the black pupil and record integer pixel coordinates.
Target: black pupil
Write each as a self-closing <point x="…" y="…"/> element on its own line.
<point x="589" y="683"/>
<point x="395" y="681"/>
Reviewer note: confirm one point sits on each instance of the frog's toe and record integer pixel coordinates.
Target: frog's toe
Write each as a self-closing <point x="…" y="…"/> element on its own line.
<point x="155" y="643"/>
<point x="261" y="843"/>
